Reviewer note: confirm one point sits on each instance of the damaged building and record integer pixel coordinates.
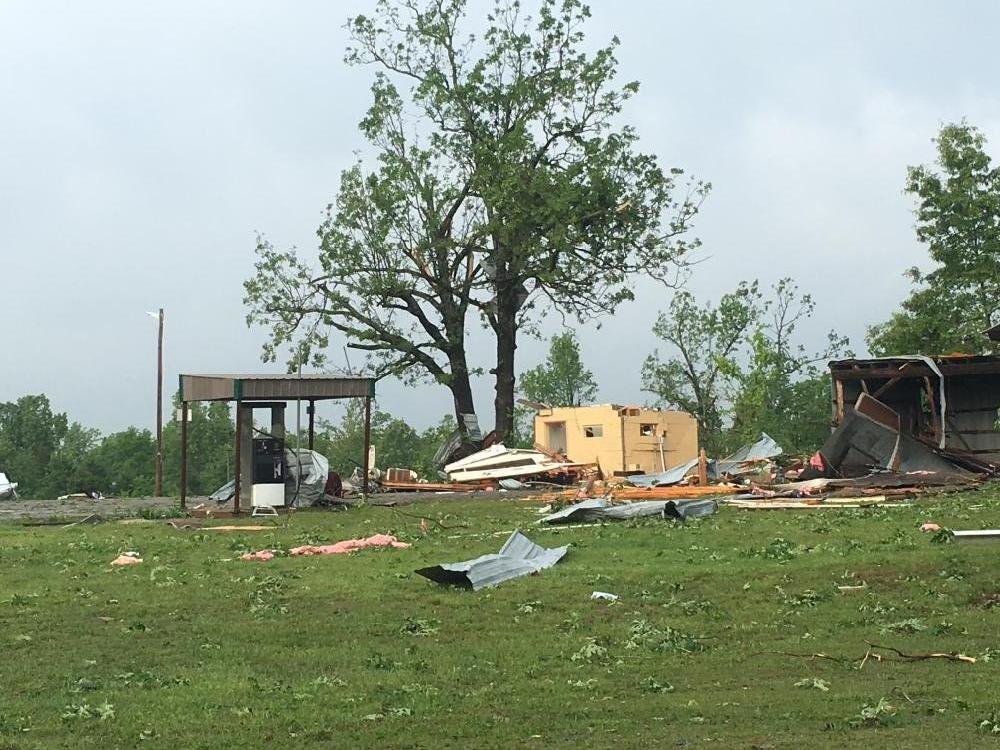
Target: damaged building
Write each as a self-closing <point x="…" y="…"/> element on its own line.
<point x="889" y="410"/>
<point x="622" y="440"/>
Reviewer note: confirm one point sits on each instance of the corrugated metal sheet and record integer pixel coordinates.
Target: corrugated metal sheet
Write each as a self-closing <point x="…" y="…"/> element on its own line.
<point x="664" y="478"/>
<point x="518" y="557"/>
<point x="601" y="510"/>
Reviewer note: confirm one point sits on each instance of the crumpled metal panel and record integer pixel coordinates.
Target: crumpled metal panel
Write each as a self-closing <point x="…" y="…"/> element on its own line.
<point x="601" y="510"/>
<point x="763" y="449"/>
<point x="664" y="478"/>
<point x="518" y="557"/>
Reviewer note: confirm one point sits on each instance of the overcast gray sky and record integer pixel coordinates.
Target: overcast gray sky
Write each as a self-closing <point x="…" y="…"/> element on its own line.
<point x="144" y="144"/>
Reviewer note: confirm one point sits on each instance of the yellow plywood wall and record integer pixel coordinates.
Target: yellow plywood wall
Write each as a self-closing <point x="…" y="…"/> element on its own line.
<point x="631" y="432"/>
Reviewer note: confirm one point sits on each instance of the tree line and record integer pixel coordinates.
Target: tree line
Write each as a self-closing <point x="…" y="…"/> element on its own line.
<point x="48" y="455"/>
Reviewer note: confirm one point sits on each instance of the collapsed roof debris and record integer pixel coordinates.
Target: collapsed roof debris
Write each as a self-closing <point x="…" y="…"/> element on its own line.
<point x="870" y="436"/>
<point x="518" y="557"/>
<point x="500" y="462"/>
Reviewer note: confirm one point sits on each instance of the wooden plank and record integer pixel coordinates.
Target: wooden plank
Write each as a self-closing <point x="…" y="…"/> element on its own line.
<point x="673" y="493"/>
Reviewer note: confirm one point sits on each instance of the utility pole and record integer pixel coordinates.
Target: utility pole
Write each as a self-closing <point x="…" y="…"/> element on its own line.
<point x="159" y="408"/>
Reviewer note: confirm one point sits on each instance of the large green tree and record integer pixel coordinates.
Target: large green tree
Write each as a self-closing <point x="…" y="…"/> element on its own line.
<point x="505" y="184"/>
<point x="562" y="379"/>
<point x="778" y="387"/>
<point x="703" y="344"/>
<point x="958" y="219"/>
<point x="122" y="465"/>
<point x="739" y="370"/>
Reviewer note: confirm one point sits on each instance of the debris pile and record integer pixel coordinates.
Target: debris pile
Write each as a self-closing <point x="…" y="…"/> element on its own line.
<point x="496" y="467"/>
<point x="868" y="460"/>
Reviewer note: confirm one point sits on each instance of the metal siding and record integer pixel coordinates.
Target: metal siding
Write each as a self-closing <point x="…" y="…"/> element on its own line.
<point x="973" y="403"/>
<point x="207" y="388"/>
<point x="273" y="387"/>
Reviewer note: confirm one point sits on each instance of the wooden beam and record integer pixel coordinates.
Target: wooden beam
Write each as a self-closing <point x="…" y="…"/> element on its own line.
<point x="184" y="454"/>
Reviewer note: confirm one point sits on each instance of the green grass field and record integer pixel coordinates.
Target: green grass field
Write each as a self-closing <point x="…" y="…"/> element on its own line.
<point x="197" y="649"/>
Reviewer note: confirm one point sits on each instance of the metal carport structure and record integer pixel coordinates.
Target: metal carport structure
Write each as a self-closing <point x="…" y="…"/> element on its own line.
<point x="251" y="391"/>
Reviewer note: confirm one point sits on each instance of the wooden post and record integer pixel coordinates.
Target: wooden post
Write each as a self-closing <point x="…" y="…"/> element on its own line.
<point x="839" y="386"/>
<point x="184" y="454"/>
<point x="236" y="463"/>
<point x="159" y="409"/>
<point x="935" y="417"/>
<point x="702" y="468"/>
<point x="311" y="410"/>
<point x="368" y="442"/>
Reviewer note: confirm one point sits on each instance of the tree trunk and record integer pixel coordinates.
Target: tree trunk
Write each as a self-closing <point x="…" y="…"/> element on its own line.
<point x="506" y="345"/>
<point x="461" y="392"/>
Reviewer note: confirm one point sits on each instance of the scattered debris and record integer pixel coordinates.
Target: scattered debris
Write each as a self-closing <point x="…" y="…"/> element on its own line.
<point x="750" y="458"/>
<point x="753" y="502"/>
<point x="127" y="558"/>
<point x="603" y="510"/>
<point x="518" y="557"/>
<point x="340" y="548"/>
<point x="82" y="495"/>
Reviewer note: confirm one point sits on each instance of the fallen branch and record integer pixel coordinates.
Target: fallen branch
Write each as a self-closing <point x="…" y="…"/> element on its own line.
<point x="922" y="657"/>
<point x="871" y="654"/>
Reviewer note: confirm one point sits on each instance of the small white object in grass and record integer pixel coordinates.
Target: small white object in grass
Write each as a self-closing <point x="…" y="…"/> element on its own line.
<point x="604" y="595"/>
